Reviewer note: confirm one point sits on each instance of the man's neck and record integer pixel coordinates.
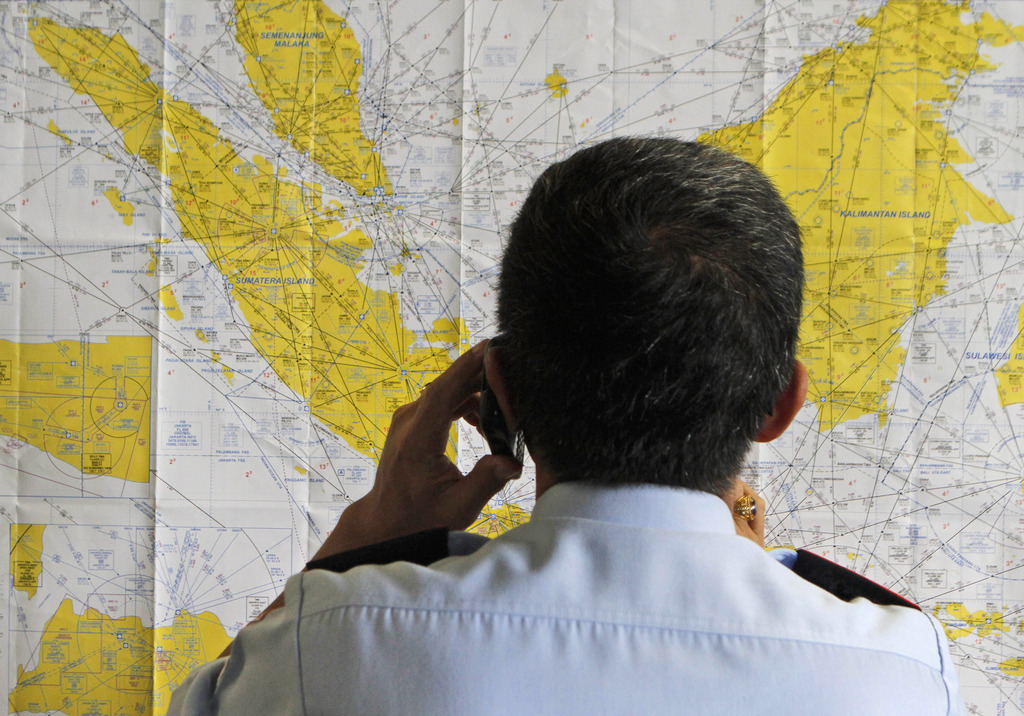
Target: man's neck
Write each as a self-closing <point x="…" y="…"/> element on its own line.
<point x="543" y="480"/>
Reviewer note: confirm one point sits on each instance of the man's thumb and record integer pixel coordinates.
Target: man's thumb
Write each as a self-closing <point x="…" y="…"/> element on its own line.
<point x="482" y="483"/>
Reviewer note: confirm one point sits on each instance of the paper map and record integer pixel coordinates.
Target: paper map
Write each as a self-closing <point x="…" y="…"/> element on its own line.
<point x="236" y="235"/>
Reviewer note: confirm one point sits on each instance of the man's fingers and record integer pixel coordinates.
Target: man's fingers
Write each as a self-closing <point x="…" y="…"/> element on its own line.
<point x="447" y="398"/>
<point x="450" y="388"/>
<point x="757" y="524"/>
<point x="753" y="528"/>
<point x="468" y="409"/>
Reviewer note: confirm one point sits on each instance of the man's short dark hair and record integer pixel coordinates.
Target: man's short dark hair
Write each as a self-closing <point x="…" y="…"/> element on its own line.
<point x="650" y="299"/>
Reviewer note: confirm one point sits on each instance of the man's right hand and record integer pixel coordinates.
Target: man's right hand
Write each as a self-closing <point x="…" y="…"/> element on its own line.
<point x="417" y="487"/>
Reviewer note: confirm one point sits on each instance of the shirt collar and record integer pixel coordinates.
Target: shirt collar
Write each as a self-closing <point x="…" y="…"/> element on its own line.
<point x="653" y="506"/>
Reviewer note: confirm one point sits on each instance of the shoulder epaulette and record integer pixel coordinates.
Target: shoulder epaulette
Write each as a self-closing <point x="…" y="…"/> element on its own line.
<point x="844" y="583"/>
<point x="421" y="548"/>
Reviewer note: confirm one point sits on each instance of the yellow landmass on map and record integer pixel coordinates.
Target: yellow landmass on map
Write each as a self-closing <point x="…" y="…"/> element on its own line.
<point x="494" y="521"/>
<point x="170" y="303"/>
<point x="93" y="664"/>
<point x="1010" y="375"/>
<point x="52" y="126"/>
<point x="293" y="267"/>
<point x="215" y="357"/>
<point x="556" y="84"/>
<point x="122" y="207"/>
<point x="26" y="557"/>
<point x="85" y="404"/>
<point x="857" y="145"/>
<point x="191" y="641"/>
<point x="854" y="557"/>
<point x="1013" y="666"/>
<point x="959" y="622"/>
<point x="229" y="374"/>
<point x="304" y="63"/>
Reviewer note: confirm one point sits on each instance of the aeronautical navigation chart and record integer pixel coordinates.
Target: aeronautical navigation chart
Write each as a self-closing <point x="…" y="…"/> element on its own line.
<point x="236" y="235"/>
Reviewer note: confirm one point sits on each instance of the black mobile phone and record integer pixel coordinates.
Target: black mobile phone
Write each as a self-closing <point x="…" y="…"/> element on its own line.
<point x="500" y="438"/>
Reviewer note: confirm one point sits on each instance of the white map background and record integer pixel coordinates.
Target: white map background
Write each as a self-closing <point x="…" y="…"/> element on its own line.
<point x="456" y="96"/>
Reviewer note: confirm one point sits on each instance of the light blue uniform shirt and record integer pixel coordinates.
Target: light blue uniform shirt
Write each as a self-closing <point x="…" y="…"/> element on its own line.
<point x="610" y="601"/>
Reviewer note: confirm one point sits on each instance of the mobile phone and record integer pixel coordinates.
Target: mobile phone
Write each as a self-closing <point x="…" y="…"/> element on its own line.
<point x="500" y="438"/>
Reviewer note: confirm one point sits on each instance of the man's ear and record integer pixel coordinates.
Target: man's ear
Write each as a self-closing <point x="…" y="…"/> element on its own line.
<point x="496" y="379"/>
<point x="787" y="405"/>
